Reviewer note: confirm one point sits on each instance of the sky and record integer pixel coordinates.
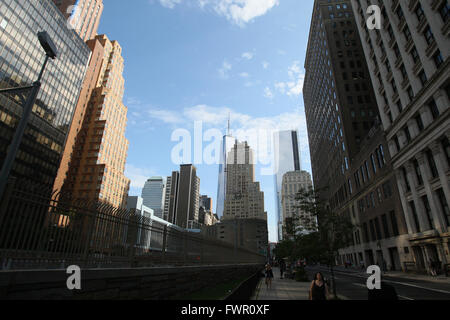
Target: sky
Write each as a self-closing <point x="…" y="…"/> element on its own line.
<point x="190" y="65"/>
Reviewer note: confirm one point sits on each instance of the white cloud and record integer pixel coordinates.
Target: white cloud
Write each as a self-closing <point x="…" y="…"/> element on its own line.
<point x="165" y="116"/>
<point x="224" y="70"/>
<point x="244" y="126"/>
<point x="239" y="12"/>
<point x="247" y="55"/>
<point x="169" y="3"/>
<point x="265" y="65"/>
<point x="268" y="93"/>
<point x="244" y="75"/>
<point x="294" y="86"/>
<point x="138" y="176"/>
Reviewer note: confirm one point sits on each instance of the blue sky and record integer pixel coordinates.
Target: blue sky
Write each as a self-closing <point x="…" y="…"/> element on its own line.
<point x="188" y="60"/>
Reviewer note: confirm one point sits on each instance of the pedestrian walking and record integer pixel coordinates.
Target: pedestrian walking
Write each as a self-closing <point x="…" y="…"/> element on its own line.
<point x="432" y="266"/>
<point x="361" y="263"/>
<point x="269" y="276"/>
<point x="319" y="288"/>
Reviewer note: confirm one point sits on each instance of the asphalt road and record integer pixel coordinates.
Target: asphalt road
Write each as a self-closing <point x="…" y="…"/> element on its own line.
<point x="353" y="286"/>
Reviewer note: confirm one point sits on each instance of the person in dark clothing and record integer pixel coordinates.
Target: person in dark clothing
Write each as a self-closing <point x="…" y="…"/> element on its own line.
<point x="269" y="276"/>
<point x="319" y="288"/>
<point x="282" y="267"/>
<point x="386" y="293"/>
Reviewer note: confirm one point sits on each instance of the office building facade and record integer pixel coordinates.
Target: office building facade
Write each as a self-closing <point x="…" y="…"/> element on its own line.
<point x="339" y="101"/>
<point x="188" y="197"/>
<point x="295" y="221"/>
<point x="82" y="15"/>
<point x="244" y="199"/>
<point x="21" y="59"/>
<point x="171" y="197"/>
<point x="287" y="159"/>
<point x="96" y="172"/>
<point x="410" y="68"/>
<point x="153" y="194"/>
<point x="373" y="204"/>
<point x="227" y="144"/>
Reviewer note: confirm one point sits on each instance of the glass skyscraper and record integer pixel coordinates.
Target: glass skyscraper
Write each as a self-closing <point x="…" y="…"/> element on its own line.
<point x="227" y="145"/>
<point x="153" y="194"/>
<point x="21" y="57"/>
<point x="287" y="159"/>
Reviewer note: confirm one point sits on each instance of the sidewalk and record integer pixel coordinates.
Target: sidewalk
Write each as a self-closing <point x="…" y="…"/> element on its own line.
<point x="282" y="289"/>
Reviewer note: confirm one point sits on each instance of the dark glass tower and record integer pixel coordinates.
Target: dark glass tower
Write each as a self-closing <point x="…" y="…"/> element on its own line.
<point x="339" y="100"/>
<point x="21" y="57"/>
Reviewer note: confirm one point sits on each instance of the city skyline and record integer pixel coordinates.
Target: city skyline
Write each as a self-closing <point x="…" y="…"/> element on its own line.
<point x="265" y="74"/>
<point x="138" y="154"/>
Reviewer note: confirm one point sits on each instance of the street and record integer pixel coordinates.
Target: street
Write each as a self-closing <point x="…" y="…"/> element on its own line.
<point x="351" y="285"/>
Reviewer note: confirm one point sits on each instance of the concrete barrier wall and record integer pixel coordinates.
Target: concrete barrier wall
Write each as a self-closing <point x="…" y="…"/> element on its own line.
<point x="118" y="284"/>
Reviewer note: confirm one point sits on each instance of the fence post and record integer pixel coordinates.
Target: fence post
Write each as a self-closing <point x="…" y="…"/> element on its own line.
<point x="91" y="225"/>
<point x="6" y="197"/>
<point x="164" y="244"/>
<point x="202" y="251"/>
<point x="185" y="248"/>
<point x="4" y="201"/>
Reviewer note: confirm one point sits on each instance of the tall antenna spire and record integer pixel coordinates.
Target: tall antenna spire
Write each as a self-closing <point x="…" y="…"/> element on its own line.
<point x="229" y="120"/>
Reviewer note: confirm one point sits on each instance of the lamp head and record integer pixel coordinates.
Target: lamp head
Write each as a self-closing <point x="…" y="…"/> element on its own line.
<point x="47" y="44"/>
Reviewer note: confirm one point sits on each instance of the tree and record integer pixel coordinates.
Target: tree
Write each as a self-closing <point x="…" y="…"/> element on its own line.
<point x="323" y="230"/>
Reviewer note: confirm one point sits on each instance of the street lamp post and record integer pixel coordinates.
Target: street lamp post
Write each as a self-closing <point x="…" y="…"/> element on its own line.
<point x="50" y="52"/>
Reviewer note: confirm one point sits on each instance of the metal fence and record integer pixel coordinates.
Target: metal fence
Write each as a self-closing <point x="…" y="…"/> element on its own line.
<point x="46" y="230"/>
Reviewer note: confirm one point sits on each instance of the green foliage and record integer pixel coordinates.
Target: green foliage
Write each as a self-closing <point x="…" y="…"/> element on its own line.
<point x="328" y="230"/>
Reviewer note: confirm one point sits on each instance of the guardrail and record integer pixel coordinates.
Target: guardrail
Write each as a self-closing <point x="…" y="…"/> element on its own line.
<point x="40" y="229"/>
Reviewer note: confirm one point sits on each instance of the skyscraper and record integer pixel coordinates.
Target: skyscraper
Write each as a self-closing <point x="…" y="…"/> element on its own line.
<point x="153" y="195"/>
<point x="83" y="15"/>
<point x="171" y="197"/>
<point x="227" y="144"/>
<point x="351" y="168"/>
<point x="244" y="199"/>
<point x="21" y="57"/>
<point x="188" y="197"/>
<point x="409" y="61"/>
<point x="97" y="168"/>
<point x="339" y="101"/>
<point x="89" y="84"/>
<point x="287" y="159"/>
<point x="293" y="182"/>
<point x="206" y="202"/>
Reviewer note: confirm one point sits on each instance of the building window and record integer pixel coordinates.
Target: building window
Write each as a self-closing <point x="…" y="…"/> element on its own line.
<point x="418" y="172"/>
<point x="394" y="223"/>
<point x="419" y="12"/>
<point x="428" y="213"/>
<point x="438" y="59"/>
<point x="419" y="122"/>
<point x="385" y="226"/>
<point x="444" y="206"/>
<point x="432" y="164"/>
<point x="415" y="55"/>
<point x="434" y="109"/>
<point x="415" y="217"/>
<point x="429" y="38"/>
<point x="444" y="11"/>
<point x="446" y="146"/>
<point x="405" y="178"/>
<point x="423" y="77"/>
<point x="374" y="167"/>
